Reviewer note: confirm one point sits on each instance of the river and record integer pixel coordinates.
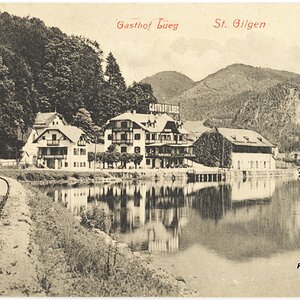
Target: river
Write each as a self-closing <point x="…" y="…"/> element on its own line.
<point x="240" y="238"/>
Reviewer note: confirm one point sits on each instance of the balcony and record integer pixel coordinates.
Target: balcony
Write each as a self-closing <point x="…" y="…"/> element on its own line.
<point x="52" y="156"/>
<point x="122" y="129"/>
<point x="52" y="143"/>
<point x="179" y="155"/>
<point x="122" y="141"/>
<point x="81" y="143"/>
<point x="151" y="141"/>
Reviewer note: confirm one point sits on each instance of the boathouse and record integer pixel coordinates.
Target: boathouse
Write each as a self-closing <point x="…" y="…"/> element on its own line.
<point x="238" y="149"/>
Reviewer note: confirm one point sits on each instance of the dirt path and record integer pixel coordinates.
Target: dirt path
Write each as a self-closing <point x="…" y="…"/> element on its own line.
<point x="18" y="276"/>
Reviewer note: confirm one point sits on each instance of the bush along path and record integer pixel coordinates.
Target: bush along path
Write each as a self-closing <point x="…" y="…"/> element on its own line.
<point x="76" y="261"/>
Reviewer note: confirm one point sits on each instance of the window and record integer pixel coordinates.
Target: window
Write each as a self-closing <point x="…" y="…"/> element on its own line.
<point x="82" y="151"/>
<point x="137" y="136"/>
<point x="123" y="149"/>
<point x="109" y="137"/>
<point x="180" y="137"/>
<point x="66" y="164"/>
<point x="75" y="164"/>
<point x="265" y="164"/>
<point x="137" y="149"/>
<point x="84" y="164"/>
<point x="123" y="124"/>
<point x="147" y="136"/>
<point x="44" y="137"/>
<point x="153" y="136"/>
<point x="148" y="161"/>
<point x="80" y="164"/>
<point x="54" y="137"/>
<point x="123" y="136"/>
<point x="256" y="164"/>
<point x="75" y="151"/>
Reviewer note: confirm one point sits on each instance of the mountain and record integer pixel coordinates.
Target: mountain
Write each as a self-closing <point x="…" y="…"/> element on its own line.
<point x="169" y="84"/>
<point x="217" y="95"/>
<point x="275" y="114"/>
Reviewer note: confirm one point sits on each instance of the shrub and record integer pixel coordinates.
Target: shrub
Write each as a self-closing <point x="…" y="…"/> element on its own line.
<point x="48" y="177"/>
<point x="76" y="175"/>
<point x="96" y="218"/>
<point x="21" y="177"/>
<point x="65" y="177"/>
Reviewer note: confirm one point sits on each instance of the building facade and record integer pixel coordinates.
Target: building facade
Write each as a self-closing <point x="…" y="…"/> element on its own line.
<point x="238" y="149"/>
<point x="54" y="144"/>
<point x="162" y="141"/>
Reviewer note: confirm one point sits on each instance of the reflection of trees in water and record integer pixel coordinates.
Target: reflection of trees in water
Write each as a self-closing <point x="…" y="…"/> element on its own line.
<point x="212" y="202"/>
<point x="271" y="229"/>
<point x="224" y="225"/>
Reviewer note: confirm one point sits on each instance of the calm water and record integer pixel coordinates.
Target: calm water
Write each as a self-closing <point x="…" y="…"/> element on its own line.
<point x="233" y="239"/>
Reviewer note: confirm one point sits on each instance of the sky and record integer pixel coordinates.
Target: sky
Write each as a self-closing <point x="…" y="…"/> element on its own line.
<point x="196" y="48"/>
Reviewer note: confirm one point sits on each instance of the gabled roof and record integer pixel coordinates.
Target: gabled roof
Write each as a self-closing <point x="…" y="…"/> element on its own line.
<point x="73" y="133"/>
<point x="160" y="120"/>
<point x="45" y="119"/>
<point x="244" y="137"/>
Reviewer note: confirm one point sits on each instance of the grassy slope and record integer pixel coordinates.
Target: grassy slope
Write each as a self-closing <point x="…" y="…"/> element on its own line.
<point x="78" y="262"/>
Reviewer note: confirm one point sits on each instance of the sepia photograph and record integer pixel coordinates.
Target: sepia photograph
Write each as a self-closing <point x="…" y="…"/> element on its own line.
<point x="149" y="150"/>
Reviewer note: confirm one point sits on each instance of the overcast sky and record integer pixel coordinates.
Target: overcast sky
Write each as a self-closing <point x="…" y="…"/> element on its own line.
<point x="196" y="48"/>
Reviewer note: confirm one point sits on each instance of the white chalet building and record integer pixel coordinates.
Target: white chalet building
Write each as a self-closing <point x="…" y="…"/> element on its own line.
<point x="160" y="139"/>
<point x="54" y="144"/>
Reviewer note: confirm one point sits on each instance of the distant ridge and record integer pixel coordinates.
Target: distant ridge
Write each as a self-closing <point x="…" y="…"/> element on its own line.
<point x="168" y="84"/>
<point x="216" y="96"/>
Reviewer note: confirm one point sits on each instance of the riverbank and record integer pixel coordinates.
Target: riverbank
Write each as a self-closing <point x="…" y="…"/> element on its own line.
<point x="67" y="259"/>
<point x="58" y="176"/>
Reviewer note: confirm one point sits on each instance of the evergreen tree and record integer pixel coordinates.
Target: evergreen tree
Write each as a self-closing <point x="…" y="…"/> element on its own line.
<point x="113" y="73"/>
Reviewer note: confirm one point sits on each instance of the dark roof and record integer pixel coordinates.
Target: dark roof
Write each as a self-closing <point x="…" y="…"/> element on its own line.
<point x="244" y="137"/>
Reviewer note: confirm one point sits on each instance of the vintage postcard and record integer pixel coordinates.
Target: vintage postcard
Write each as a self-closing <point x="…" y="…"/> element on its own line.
<point x="150" y="149"/>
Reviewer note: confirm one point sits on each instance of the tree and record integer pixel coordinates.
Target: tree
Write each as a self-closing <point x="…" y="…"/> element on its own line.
<point x="136" y="158"/>
<point x="111" y="156"/>
<point x="125" y="158"/>
<point x="113" y="73"/>
<point x="100" y="158"/>
<point x="11" y="113"/>
<point x="139" y="96"/>
<point x="91" y="158"/>
<point x="83" y="120"/>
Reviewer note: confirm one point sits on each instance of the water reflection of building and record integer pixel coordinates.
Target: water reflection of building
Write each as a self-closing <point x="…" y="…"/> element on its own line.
<point x="75" y="199"/>
<point x="156" y="217"/>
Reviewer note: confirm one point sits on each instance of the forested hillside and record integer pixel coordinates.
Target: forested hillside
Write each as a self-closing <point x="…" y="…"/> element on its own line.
<point x="43" y="69"/>
<point x="275" y="114"/>
<point x="216" y="95"/>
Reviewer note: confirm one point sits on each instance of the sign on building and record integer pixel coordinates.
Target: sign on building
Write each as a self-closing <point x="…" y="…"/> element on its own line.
<point x="164" y="108"/>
